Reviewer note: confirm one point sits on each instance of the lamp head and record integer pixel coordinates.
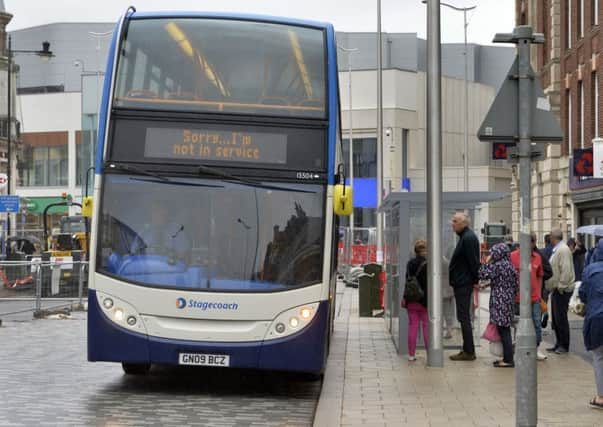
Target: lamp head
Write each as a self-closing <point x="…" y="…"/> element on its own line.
<point x="45" y="53"/>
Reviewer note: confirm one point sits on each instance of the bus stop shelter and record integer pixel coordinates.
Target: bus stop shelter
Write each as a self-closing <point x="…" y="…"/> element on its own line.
<point x="405" y="222"/>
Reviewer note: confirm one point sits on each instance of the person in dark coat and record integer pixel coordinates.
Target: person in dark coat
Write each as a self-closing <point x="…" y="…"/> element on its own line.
<point x="591" y="251"/>
<point x="462" y="274"/>
<point x="548" y="273"/>
<point x="548" y="246"/>
<point x="504" y="286"/>
<point x="578" y="252"/>
<point x="417" y="310"/>
<point x="591" y="294"/>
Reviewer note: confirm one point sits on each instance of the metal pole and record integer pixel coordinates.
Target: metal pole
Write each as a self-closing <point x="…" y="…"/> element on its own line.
<point x="526" y="399"/>
<point x="8" y="134"/>
<point x="379" y="135"/>
<point x="351" y="137"/>
<point x="466" y="103"/>
<point x="435" y="350"/>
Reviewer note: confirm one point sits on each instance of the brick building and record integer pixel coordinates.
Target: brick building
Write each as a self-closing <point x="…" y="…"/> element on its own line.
<point x="570" y="66"/>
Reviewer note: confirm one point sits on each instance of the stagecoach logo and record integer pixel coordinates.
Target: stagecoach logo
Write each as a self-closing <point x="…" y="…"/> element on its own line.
<point x="182" y="303"/>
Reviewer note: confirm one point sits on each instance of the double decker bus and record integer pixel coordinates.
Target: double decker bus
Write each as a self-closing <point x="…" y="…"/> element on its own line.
<point x="216" y="194"/>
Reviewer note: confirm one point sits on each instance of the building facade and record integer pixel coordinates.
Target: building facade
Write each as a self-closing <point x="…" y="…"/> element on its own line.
<point x="569" y="64"/>
<point x="58" y="102"/>
<point x="404" y="118"/>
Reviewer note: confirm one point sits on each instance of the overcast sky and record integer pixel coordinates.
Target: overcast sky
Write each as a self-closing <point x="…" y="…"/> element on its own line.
<point x="490" y="17"/>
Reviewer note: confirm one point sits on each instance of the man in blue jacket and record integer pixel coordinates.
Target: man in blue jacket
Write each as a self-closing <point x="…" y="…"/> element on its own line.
<point x="591" y="294"/>
<point x="462" y="273"/>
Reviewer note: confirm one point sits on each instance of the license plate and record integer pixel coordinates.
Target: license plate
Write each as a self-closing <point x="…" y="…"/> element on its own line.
<point x="197" y="359"/>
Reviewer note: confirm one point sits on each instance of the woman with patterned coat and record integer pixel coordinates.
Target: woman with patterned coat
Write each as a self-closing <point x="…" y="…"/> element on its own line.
<point x="504" y="286"/>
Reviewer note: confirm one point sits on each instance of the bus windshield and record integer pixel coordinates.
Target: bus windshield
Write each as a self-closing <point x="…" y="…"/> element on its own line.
<point x="211" y="234"/>
<point x="217" y="65"/>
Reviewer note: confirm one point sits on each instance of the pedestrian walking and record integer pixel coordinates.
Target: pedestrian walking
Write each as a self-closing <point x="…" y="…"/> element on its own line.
<point x="536" y="280"/>
<point x="591" y="294"/>
<point x="463" y="276"/>
<point x="503" y="283"/>
<point x="417" y="309"/>
<point x="561" y="286"/>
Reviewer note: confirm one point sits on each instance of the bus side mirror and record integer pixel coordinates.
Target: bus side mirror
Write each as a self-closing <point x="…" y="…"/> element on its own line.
<point x="87" y="207"/>
<point x="343" y="200"/>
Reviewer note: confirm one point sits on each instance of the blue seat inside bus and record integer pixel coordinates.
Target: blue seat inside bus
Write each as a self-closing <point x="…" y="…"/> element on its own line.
<point x="155" y="269"/>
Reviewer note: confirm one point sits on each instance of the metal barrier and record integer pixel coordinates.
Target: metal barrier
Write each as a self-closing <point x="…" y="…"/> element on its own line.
<point x="38" y="286"/>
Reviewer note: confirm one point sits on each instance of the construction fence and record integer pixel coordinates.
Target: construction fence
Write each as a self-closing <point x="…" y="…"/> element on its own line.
<point x="42" y="283"/>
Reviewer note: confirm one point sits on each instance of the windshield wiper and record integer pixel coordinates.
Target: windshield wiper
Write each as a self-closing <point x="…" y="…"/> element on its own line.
<point x="136" y="170"/>
<point x="216" y="172"/>
<point x="246" y="181"/>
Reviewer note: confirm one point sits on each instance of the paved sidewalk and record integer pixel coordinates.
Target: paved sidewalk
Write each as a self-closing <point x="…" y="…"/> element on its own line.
<point x="367" y="383"/>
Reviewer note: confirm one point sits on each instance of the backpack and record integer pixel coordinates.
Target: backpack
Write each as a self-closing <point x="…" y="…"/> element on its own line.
<point x="412" y="289"/>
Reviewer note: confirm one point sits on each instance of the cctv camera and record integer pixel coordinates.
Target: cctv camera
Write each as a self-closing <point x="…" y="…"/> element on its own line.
<point x="388" y="132"/>
<point x="77" y="63"/>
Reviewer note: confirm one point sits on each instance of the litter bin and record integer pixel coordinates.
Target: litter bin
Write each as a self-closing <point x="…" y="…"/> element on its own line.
<point x="368" y="290"/>
<point x="364" y="295"/>
<point x="374" y="271"/>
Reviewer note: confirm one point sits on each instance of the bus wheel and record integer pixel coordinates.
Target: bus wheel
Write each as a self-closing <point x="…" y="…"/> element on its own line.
<point x="136" y="368"/>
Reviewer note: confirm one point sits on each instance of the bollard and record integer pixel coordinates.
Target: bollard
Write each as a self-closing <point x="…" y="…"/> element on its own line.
<point x="80" y="285"/>
<point x="80" y="288"/>
<point x="38" y="289"/>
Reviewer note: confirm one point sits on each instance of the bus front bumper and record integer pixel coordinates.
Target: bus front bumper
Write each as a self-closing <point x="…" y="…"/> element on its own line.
<point x="304" y="351"/>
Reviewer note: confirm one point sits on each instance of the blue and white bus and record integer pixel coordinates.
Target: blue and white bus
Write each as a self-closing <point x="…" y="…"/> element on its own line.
<point x="216" y="194"/>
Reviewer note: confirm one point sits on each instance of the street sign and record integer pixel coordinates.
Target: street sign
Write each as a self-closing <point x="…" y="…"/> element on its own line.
<point x="502" y="121"/>
<point x="9" y="204"/>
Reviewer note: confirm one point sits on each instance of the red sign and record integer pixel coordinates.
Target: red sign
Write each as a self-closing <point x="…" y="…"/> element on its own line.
<point x="583" y="162"/>
<point x="499" y="151"/>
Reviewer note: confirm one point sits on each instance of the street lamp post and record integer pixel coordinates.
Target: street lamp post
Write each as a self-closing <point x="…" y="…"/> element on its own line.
<point x="46" y="53"/>
<point x="465" y="95"/>
<point x="379" y="135"/>
<point x="349" y="51"/>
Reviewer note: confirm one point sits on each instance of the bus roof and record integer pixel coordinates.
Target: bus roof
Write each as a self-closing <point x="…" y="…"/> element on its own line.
<point x="229" y="15"/>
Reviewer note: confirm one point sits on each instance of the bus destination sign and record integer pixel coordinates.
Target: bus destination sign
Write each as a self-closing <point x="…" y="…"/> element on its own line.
<point x="218" y="145"/>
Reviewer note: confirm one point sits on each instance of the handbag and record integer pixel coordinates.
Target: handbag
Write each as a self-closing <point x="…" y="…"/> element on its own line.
<point x="412" y="289"/>
<point x="491" y="333"/>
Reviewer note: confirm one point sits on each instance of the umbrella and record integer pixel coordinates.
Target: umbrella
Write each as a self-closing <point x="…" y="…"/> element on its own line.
<point x="595" y="229"/>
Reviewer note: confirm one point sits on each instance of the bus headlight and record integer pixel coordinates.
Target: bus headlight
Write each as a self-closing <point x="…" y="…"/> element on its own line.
<point x="291" y="321"/>
<point x="120" y="312"/>
<point x="305" y="313"/>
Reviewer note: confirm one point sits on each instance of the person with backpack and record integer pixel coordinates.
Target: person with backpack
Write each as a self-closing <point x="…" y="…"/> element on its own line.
<point x="415" y="297"/>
